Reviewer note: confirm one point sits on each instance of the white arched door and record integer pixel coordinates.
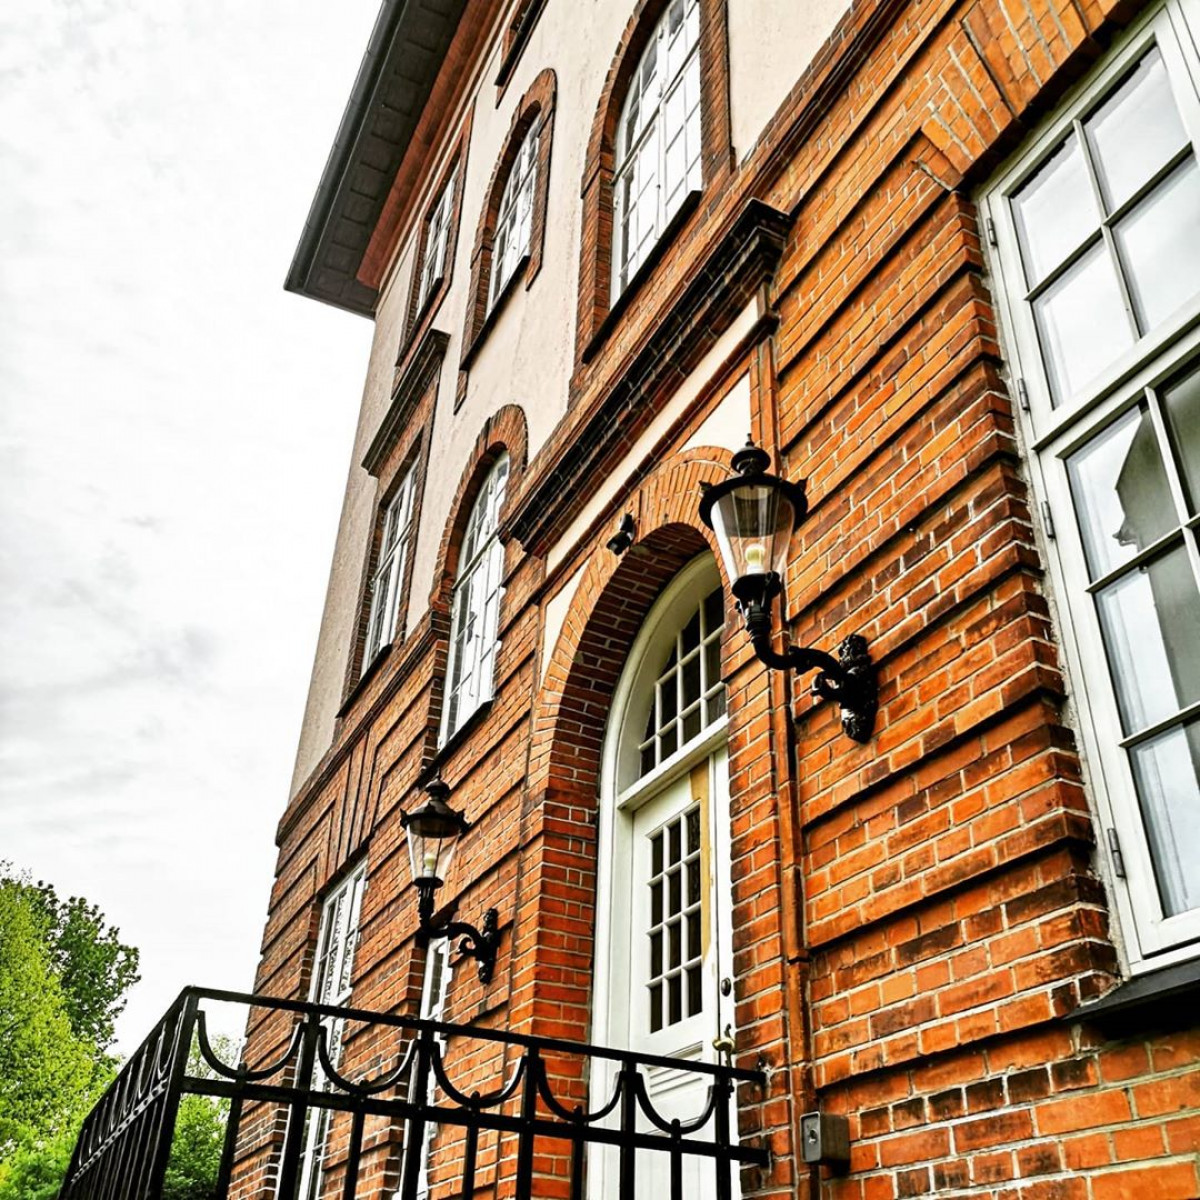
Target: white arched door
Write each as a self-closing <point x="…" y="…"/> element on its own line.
<point x="663" y="961"/>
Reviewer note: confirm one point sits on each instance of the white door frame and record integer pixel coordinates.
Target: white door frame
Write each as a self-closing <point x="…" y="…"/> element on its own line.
<point x="621" y="793"/>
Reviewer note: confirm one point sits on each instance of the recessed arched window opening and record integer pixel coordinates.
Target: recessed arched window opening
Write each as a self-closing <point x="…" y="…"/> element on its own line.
<point x="658" y="144"/>
<point x="514" y="226"/>
<point x="660" y="138"/>
<point x="475" y="606"/>
<point x="663" y="935"/>
<point x="512" y="222"/>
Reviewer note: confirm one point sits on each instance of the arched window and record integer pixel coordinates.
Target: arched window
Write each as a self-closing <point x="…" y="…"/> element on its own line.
<point x="514" y="226"/>
<point x="475" y="608"/>
<point x="658" y="146"/>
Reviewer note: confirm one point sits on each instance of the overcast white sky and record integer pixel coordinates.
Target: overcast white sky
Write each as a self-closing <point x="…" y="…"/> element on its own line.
<point x="174" y="437"/>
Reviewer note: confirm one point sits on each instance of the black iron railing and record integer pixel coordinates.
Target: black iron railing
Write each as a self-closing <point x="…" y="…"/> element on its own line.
<point x="125" y="1144"/>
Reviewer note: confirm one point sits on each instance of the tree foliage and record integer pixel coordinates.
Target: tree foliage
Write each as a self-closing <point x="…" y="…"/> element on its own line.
<point x="94" y="967"/>
<point x="63" y="976"/>
<point x="47" y="1073"/>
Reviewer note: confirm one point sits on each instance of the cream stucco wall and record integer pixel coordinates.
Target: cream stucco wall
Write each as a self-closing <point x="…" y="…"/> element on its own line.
<point x="526" y="356"/>
<point x="770" y="44"/>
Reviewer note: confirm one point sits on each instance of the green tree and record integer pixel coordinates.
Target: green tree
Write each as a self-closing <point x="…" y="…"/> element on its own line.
<point x="94" y="967"/>
<point x="35" y="1172"/>
<point x="47" y="1073"/>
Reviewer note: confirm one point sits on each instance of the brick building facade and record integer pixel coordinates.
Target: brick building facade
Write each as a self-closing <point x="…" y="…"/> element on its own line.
<point x="940" y="258"/>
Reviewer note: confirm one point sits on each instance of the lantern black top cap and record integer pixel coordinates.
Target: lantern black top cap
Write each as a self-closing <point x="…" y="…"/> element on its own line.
<point x="750" y="464"/>
<point x="435" y="818"/>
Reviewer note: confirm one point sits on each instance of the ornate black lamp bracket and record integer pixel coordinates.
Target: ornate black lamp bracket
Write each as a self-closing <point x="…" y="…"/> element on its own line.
<point x="849" y="679"/>
<point x="479" y="944"/>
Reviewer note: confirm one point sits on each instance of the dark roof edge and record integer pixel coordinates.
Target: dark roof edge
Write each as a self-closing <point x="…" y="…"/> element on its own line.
<point x="379" y="55"/>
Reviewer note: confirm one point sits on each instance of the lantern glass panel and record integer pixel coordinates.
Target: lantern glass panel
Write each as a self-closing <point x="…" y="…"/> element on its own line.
<point x="429" y="856"/>
<point x="753" y="523"/>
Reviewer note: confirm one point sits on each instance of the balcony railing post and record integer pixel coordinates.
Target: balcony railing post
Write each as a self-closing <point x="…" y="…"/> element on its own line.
<point x="298" y="1117"/>
<point x="163" y="1129"/>
<point x="418" y="1096"/>
<point x="724" y="1161"/>
<point x="533" y="1069"/>
<point x="627" y="1168"/>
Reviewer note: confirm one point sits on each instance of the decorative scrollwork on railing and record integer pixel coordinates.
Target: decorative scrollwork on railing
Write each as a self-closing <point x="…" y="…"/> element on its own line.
<point x="123" y="1148"/>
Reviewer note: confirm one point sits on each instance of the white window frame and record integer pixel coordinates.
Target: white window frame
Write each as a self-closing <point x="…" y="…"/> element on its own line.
<point x="1052" y="433"/>
<point x="332" y="984"/>
<point x="514" y="223"/>
<point x="395" y="537"/>
<point x="665" y="116"/>
<point x="437" y="239"/>
<point x="475" y="607"/>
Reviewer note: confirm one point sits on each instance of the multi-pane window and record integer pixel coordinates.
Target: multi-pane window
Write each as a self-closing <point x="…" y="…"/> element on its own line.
<point x="688" y="693"/>
<point x="437" y="239"/>
<point x="1109" y="229"/>
<point x="331" y="984"/>
<point x="675" y="931"/>
<point x="475" y="609"/>
<point x="387" y="581"/>
<point x="514" y="224"/>
<point x="1098" y="233"/>
<point x="657" y="155"/>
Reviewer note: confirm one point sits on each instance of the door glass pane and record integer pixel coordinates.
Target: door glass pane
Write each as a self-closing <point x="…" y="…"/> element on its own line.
<point x="1150" y="619"/>
<point x="1121" y="495"/>
<point x="1160" y="245"/>
<point x="1082" y="322"/>
<point x="1167" y="770"/>
<point x="1182" y="404"/>
<point x="1054" y="211"/>
<point x="1135" y="131"/>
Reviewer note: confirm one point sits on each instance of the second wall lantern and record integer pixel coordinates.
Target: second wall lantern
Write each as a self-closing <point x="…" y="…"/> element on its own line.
<point x="753" y="515"/>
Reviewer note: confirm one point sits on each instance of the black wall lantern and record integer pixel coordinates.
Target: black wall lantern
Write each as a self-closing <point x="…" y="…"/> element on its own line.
<point x="754" y="515"/>
<point x="433" y="833"/>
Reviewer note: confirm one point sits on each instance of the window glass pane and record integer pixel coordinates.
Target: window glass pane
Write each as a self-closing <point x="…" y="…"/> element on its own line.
<point x="1167" y="770"/>
<point x="1083" y="323"/>
<point x="1135" y="131"/>
<point x="1160" y="246"/>
<point x="1120" y="492"/>
<point x="1182" y="404"/>
<point x="1054" y="211"/>
<point x="1150" y="619"/>
<point x="691" y="680"/>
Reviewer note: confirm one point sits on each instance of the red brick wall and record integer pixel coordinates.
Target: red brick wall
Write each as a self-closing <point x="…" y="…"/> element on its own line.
<point x="915" y="920"/>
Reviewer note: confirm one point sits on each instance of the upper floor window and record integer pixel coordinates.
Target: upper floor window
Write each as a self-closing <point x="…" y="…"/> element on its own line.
<point x="658" y="144"/>
<point x="475" y="607"/>
<point x="387" y="581"/>
<point x="437" y="241"/>
<point x="1098" y="231"/>
<point x="514" y="226"/>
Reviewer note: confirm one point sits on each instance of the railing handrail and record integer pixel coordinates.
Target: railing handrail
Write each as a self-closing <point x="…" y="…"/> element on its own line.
<point x="529" y="1041"/>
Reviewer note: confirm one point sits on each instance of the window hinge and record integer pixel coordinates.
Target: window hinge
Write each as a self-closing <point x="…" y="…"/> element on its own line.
<point x="1048" y="520"/>
<point x="1114" y="849"/>
<point x="990" y="226"/>
<point x="1022" y="394"/>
